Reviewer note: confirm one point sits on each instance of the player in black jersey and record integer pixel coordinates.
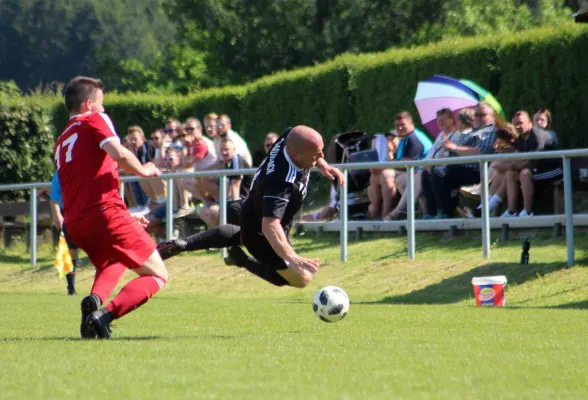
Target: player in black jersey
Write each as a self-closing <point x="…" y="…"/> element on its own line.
<point x="276" y="195"/>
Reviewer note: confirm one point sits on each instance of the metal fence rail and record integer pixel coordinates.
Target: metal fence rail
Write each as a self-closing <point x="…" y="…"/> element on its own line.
<point x="410" y="166"/>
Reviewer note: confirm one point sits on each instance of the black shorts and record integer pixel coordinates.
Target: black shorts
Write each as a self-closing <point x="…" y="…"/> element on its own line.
<point x="234" y="212"/>
<point x="260" y="248"/>
<point x="70" y="245"/>
<point x="544" y="179"/>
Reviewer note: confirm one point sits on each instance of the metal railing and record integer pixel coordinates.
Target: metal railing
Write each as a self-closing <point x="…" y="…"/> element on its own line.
<point x="410" y="166"/>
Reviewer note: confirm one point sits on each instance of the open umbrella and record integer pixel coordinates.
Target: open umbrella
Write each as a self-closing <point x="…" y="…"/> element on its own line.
<point x="441" y="91"/>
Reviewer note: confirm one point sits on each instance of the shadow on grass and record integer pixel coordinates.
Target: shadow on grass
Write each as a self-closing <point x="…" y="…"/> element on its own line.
<point x="458" y="288"/>
<point x="115" y="339"/>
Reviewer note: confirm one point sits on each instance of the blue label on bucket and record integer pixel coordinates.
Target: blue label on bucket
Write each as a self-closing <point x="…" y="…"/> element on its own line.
<point x="486" y="294"/>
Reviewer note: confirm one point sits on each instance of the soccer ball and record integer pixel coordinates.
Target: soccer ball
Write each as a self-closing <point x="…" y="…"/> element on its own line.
<point x="331" y="304"/>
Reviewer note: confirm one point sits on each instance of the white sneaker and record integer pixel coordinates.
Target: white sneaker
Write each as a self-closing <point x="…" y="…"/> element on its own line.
<point x="508" y="214"/>
<point x="524" y="213"/>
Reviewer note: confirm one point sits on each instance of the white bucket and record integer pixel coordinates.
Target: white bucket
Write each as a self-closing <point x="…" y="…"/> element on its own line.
<point x="489" y="290"/>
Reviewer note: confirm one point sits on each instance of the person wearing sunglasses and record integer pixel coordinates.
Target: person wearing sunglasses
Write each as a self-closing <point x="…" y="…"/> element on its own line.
<point x="268" y="142"/>
<point x="225" y="130"/>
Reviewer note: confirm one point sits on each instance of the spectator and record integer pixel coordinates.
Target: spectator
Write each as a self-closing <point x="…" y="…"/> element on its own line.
<point x="225" y="131"/>
<point x="412" y="145"/>
<point x="198" y="154"/>
<point x="446" y="123"/>
<point x="173" y="163"/>
<point x="464" y="121"/>
<point x="528" y="174"/>
<point x="268" y="142"/>
<point x="210" y="125"/>
<point x="156" y="140"/>
<point x="145" y="152"/>
<point x="505" y="139"/>
<point x="325" y="213"/>
<point x="542" y="119"/>
<point x="238" y="186"/>
<point x="382" y="189"/>
<point x="173" y="128"/>
<point x="444" y="179"/>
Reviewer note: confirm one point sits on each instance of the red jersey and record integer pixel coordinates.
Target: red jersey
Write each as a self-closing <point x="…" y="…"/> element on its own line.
<point x="87" y="174"/>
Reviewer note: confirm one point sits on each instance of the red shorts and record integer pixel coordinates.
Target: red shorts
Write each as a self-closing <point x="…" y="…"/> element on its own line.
<point x="112" y="235"/>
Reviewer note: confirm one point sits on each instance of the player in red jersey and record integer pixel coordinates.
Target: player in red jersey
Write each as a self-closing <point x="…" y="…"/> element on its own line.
<point x="87" y="156"/>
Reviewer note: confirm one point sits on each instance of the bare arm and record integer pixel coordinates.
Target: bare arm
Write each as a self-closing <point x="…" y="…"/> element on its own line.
<point x="56" y="215"/>
<point x="234" y="188"/>
<point x="330" y="172"/>
<point x="274" y="233"/>
<point x="128" y="161"/>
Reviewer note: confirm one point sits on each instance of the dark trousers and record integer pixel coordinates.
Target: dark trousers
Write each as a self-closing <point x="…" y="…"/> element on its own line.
<point x="427" y="188"/>
<point x="139" y="194"/>
<point x="454" y="176"/>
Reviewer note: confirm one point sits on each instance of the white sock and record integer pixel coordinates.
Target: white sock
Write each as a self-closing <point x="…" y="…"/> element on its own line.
<point x="494" y="202"/>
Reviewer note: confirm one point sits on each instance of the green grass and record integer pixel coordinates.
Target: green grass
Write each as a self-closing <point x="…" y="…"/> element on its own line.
<point x="216" y="332"/>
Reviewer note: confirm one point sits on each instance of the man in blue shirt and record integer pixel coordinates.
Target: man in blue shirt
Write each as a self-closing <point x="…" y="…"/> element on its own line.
<point x="57" y="214"/>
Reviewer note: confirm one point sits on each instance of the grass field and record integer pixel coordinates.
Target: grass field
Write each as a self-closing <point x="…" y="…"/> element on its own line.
<point x="216" y="332"/>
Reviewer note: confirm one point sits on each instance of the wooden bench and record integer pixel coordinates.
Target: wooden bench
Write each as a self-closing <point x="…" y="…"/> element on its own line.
<point x="12" y="219"/>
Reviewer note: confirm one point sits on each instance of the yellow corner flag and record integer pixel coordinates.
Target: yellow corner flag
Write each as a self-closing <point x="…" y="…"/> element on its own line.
<point x="63" y="262"/>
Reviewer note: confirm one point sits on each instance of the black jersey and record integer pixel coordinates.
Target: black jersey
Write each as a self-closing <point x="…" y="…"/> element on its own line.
<point x="236" y="163"/>
<point x="278" y="189"/>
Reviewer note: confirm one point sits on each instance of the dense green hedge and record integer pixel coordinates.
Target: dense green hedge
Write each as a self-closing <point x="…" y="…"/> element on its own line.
<point x="538" y="68"/>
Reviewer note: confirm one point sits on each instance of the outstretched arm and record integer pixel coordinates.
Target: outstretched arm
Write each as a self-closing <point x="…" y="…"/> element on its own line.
<point x="330" y="172"/>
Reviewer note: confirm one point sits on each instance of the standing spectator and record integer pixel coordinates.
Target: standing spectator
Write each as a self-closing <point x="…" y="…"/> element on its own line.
<point x="446" y="178"/>
<point x="268" y="142"/>
<point x="525" y="175"/>
<point x="237" y="189"/>
<point x="446" y="124"/>
<point x="225" y="131"/>
<point x="57" y="216"/>
<point x="156" y="140"/>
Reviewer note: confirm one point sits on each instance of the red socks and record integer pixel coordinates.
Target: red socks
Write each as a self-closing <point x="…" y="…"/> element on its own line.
<point x="106" y="280"/>
<point x="135" y="294"/>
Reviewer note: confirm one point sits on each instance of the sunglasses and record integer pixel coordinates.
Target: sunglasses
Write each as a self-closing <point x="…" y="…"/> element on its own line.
<point x="220" y="124"/>
<point x="171" y="158"/>
<point x="268" y="145"/>
<point x="155" y="138"/>
<point x="170" y="130"/>
<point x="189" y="128"/>
<point x="480" y="114"/>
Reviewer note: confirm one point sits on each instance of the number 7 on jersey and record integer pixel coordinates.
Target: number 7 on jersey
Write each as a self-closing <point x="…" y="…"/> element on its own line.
<point x="68" y="144"/>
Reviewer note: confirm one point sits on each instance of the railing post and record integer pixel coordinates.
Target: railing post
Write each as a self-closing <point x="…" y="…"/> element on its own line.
<point x="169" y="209"/>
<point x="569" y="207"/>
<point x="121" y="190"/>
<point x="33" y="227"/>
<point x="410" y="213"/>
<point x="485" y="210"/>
<point x="223" y="208"/>
<point x="343" y="215"/>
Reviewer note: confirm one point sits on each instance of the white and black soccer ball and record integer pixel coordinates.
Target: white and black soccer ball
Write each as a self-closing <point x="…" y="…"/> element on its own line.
<point x="331" y="304"/>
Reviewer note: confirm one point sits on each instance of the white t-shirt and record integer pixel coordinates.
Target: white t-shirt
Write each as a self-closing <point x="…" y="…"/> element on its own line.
<point x="240" y="145"/>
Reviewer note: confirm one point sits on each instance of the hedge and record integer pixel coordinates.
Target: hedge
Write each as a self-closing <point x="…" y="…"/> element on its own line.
<point x="537" y="68"/>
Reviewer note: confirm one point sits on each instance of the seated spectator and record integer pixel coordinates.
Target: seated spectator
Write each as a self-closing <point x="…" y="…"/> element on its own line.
<point x="198" y="154"/>
<point x="446" y="123"/>
<point x="325" y="213"/>
<point x="172" y="159"/>
<point x="413" y="144"/>
<point x="505" y="139"/>
<point x="145" y="152"/>
<point x="173" y="128"/>
<point x="444" y="179"/>
<point x="225" y="131"/>
<point x="268" y="142"/>
<point x="382" y="189"/>
<point x="542" y="119"/>
<point x="527" y="175"/>
<point x="210" y="125"/>
<point x="238" y="185"/>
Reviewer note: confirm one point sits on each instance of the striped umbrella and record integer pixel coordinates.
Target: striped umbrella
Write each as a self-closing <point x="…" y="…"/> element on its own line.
<point x="441" y="91"/>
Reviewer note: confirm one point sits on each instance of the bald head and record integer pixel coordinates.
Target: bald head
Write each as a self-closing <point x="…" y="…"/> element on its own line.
<point x="305" y="146"/>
